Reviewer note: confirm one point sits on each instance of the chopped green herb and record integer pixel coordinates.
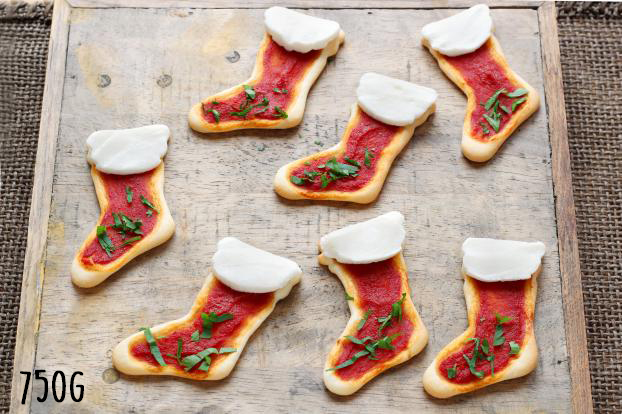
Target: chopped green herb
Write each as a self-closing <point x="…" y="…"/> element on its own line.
<point x="280" y="113"/>
<point x="307" y="162"/>
<point x="250" y="92"/>
<point x="517" y="102"/>
<point x="351" y="161"/>
<point x="368" y="157"/>
<point x="130" y="241"/>
<point x="502" y="319"/>
<point x="499" y="338"/>
<point x="396" y="313"/>
<point x="339" y="169"/>
<point x="359" y="341"/>
<point x="153" y="346"/>
<point x="348" y="297"/>
<point x="196" y="336"/>
<point x="210" y="319"/>
<point x="363" y="320"/>
<point x="149" y="213"/>
<point x="125" y="224"/>
<point x="129" y="193"/>
<point x="485" y="346"/>
<point x="491" y="101"/>
<point x="148" y="203"/>
<point x="491" y="359"/>
<point x="514" y="348"/>
<point x="190" y="361"/>
<point x="215" y="103"/>
<point x="473" y="360"/>
<point x="277" y="90"/>
<point x="492" y="121"/>
<point x="177" y="357"/>
<point x="311" y="174"/>
<point x="296" y="180"/>
<point x="215" y="113"/>
<point x="350" y="361"/>
<point x="325" y="180"/>
<point x="104" y="240"/>
<point x="506" y="109"/>
<point x="484" y="128"/>
<point x="517" y="93"/>
<point x="370" y="349"/>
<point x="451" y="372"/>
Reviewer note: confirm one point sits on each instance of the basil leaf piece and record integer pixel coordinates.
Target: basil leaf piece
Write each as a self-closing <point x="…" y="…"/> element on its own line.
<point x="277" y="90"/>
<point x="349" y="361"/>
<point x="351" y="161"/>
<point x="296" y="180"/>
<point x="368" y="157"/>
<point x="348" y="297"/>
<point x="514" y="348"/>
<point x="215" y="113"/>
<point x="215" y="103"/>
<point x="518" y="92"/>
<point x="227" y="350"/>
<point x="340" y="170"/>
<point x="129" y="193"/>
<point x="192" y="360"/>
<point x="502" y="319"/>
<point x="451" y="372"/>
<point x="280" y="113"/>
<point x="517" y="102"/>
<point x="153" y="346"/>
<point x="478" y="374"/>
<point x="359" y="341"/>
<point x="493" y="122"/>
<point x="325" y="180"/>
<point x="210" y="319"/>
<point x="499" y="338"/>
<point x="491" y="359"/>
<point x="250" y="92"/>
<point x="104" y="240"/>
<point x="485" y="129"/>
<point x="396" y="313"/>
<point x="491" y="101"/>
<point x="505" y="109"/>
<point x="196" y="336"/>
<point x="148" y="203"/>
<point x="307" y="163"/>
<point x="485" y="346"/>
<point x="149" y="213"/>
<point x="125" y="224"/>
<point x="363" y="320"/>
<point x="311" y="174"/>
<point x="130" y="241"/>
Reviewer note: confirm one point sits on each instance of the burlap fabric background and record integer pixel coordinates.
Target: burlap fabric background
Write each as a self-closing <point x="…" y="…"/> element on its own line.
<point x="591" y="48"/>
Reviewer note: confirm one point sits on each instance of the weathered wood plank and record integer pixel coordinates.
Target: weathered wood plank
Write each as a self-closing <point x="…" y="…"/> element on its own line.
<point x="220" y="186"/>
<point x="566" y="220"/>
<point x="34" y="272"/>
<point x="324" y="4"/>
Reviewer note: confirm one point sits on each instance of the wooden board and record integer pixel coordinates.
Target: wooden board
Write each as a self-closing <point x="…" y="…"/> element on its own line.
<point x="115" y="67"/>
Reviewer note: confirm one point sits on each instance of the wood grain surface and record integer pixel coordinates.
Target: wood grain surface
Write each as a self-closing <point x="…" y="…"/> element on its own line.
<point x="135" y="66"/>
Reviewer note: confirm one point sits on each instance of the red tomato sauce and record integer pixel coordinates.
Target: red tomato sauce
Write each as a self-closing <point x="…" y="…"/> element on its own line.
<point x="368" y="133"/>
<point x="378" y="286"/>
<point x="506" y="299"/>
<point x="282" y="69"/>
<point x="221" y="299"/>
<point x="485" y="76"/>
<point x="117" y="203"/>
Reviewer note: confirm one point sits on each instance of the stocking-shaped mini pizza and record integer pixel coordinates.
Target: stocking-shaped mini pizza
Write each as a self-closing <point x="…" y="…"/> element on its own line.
<point x="498" y="99"/>
<point x="237" y="297"/>
<point x="381" y="124"/>
<point x="128" y="173"/>
<point x="499" y="344"/>
<point x="291" y="56"/>
<point x="384" y="327"/>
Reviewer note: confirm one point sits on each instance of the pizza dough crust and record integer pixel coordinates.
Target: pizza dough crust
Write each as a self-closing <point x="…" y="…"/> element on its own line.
<point x="368" y="193"/>
<point x="164" y="228"/>
<point x="437" y="386"/>
<point x="295" y="110"/>
<point x="473" y="148"/>
<point x="417" y="342"/>
<point x="124" y="361"/>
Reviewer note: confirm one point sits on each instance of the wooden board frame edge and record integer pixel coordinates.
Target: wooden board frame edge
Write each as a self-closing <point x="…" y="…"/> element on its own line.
<point x="33" y="275"/>
<point x="570" y="270"/>
<point x="34" y="260"/>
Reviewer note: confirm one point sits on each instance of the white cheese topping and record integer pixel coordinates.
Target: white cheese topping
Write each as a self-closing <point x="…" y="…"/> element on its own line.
<point x="393" y="101"/>
<point x="128" y="151"/>
<point x="461" y="33"/>
<point x="491" y="260"/>
<point x="297" y="31"/>
<point x="369" y="241"/>
<point x="245" y="268"/>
